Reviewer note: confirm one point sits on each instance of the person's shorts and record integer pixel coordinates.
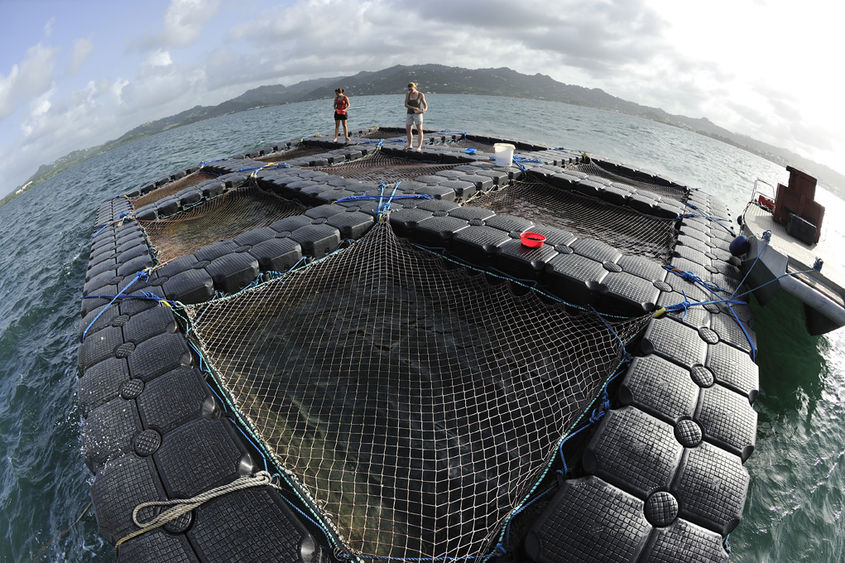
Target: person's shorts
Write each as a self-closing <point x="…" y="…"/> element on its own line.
<point x="339" y="116"/>
<point x="414" y="119"/>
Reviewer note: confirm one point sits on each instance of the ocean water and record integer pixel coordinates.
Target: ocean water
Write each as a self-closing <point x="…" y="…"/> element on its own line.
<point x="795" y="501"/>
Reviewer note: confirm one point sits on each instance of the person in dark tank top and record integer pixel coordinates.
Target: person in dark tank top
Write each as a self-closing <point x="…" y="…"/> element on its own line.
<point x="341" y="106"/>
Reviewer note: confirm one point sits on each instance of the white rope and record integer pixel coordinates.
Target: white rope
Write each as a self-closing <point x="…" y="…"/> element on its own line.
<point x="179" y="506"/>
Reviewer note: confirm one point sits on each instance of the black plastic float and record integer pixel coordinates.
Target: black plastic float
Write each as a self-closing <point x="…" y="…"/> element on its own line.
<point x="660" y="477"/>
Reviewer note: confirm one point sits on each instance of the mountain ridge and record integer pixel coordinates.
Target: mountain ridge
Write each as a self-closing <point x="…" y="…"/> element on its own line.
<point x="443" y="79"/>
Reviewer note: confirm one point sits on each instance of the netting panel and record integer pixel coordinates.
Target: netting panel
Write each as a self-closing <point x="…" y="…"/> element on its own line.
<point x="621" y="227"/>
<point x="290" y="154"/>
<point x="467" y="143"/>
<point x="594" y="169"/>
<point x="382" y="134"/>
<point x="418" y="404"/>
<point x="221" y="218"/>
<point x="379" y="167"/>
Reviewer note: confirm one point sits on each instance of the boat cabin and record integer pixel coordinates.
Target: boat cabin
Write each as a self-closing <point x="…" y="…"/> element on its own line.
<point x="796" y="209"/>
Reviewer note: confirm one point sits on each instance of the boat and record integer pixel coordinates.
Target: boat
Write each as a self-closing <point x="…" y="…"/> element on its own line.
<point x="487" y="350"/>
<point x="787" y="248"/>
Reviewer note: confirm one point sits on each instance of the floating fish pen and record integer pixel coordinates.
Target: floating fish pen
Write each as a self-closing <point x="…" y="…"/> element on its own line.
<point x="348" y="352"/>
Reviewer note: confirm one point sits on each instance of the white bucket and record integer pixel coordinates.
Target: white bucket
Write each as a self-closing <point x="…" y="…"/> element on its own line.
<point x="504" y="154"/>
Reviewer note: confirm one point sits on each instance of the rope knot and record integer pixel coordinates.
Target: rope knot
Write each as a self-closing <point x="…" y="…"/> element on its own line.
<point x="601" y="409"/>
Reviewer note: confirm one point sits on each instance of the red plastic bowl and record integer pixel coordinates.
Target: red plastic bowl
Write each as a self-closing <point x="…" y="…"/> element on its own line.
<point x="532" y="240"/>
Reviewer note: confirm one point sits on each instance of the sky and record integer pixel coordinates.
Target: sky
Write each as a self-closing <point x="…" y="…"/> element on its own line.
<point x="78" y="73"/>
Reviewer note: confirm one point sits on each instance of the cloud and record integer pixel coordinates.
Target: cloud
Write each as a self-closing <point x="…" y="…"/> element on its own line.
<point x="27" y="80"/>
<point x="117" y="89"/>
<point x="159" y="58"/>
<point x="596" y="37"/>
<point x="82" y="48"/>
<point x="184" y="19"/>
<point x="182" y="25"/>
<point x="589" y="40"/>
<point x="159" y="88"/>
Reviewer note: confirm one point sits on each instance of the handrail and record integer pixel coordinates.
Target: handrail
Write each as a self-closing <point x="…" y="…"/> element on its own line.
<point x="755" y="191"/>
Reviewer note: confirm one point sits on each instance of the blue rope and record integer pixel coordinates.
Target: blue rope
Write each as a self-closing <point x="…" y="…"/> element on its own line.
<point x="566" y="439"/>
<point x="523" y="281"/>
<point x="219" y="398"/>
<point x="520" y="161"/>
<point x="718" y="220"/>
<point x="146" y="295"/>
<point x="745" y="332"/>
<point x="617" y="371"/>
<point x="378" y="197"/>
<point x="118" y="219"/>
<point x="691" y="277"/>
<point x="743" y="294"/>
<point x="143" y="273"/>
<point x="686" y="304"/>
<point x="254" y="445"/>
<point x="292" y="505"/>
<point x="610" y="328"/>
<point x="733" y="299"/>
<point x="597" y="413"/>
<point x="767" y="236"/>
<point x="602" y="408"/>
<point x="520" y="509"/>
<point x="778" y="278"/>
<point x="385" y="207"/>
<point x="497" y="552"/>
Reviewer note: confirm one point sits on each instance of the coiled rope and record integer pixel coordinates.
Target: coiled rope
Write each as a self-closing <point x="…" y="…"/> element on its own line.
<point x="179" y="507"/>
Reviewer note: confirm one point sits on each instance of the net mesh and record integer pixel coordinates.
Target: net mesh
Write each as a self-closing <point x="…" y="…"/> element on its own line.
<point x="415" y="400"/>
<point x="173" y="188"/>
<point x="470" y="143"/>
<point x="590" y="167"/>
<point x="380" y="167"/>
<point x="221" y="218"/>
<point x="383" y="134"/>
<point x="618" y="226"/>
<point x="297" y="152"/>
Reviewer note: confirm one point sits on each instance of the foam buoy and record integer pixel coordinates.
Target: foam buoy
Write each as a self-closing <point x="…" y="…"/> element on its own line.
<point x="739" y="246"/>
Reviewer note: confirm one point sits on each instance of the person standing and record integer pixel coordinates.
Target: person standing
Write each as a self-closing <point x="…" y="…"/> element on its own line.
<point x="417" y="106"/>
<point x="341" y="105"/>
